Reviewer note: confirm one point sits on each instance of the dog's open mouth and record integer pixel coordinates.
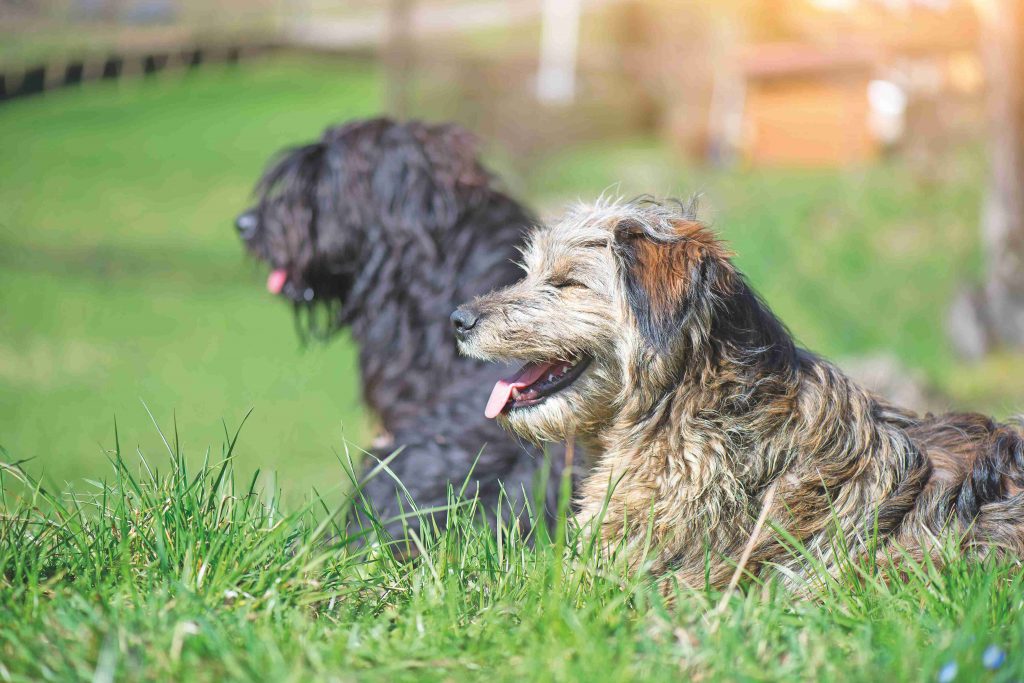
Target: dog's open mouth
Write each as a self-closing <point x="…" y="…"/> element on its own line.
<point x="534" y="383"/>
<point x="280" y="283"/>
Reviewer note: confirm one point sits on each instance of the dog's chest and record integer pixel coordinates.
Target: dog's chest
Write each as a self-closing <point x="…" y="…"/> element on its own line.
<point x="673" y="478"/>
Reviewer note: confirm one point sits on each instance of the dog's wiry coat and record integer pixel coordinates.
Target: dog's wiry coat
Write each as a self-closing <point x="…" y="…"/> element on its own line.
<point x="697" y="401"/>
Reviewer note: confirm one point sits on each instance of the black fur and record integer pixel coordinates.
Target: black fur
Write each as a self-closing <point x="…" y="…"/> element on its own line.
<point x="746" y="324"/>
<point x="741" y="321"/>
<point x="655" y="329"/>
<point x="386" y="227"/>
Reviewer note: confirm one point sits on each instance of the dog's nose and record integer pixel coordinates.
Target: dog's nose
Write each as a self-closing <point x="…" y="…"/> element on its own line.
<point x="464" y="320"/>
<point x="246" y="224"/>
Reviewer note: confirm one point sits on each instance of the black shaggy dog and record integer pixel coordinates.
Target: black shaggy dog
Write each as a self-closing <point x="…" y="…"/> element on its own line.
<point x="384" y="228"/>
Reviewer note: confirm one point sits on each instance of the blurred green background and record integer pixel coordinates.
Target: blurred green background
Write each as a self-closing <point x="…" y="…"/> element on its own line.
<point x="122" y="280"/>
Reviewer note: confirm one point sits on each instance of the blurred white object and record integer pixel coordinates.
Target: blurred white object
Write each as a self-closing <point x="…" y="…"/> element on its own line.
<point x="560" y="32"/>
<point x="888" y="110"/>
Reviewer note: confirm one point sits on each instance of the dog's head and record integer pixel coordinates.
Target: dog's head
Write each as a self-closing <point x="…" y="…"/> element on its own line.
<point x="617" y="300"/>
<point x="336" y="216"/>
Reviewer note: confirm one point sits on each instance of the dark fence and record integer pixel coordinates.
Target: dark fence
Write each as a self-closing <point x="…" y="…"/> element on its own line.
<point x="39" y="78"/>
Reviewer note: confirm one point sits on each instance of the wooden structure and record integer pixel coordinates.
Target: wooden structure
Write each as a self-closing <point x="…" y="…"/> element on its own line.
<point x="807" y="106"/>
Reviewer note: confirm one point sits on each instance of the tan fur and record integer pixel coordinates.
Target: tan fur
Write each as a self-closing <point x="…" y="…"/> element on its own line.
<point x="697" y="401"/>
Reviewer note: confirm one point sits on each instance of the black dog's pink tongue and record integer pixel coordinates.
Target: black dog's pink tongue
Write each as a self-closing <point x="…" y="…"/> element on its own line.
<point x="275" y="283"/>
<point x="502" y="391"/>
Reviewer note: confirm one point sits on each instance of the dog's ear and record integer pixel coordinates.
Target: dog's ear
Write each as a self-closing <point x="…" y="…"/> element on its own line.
<point x="666" y="275"/>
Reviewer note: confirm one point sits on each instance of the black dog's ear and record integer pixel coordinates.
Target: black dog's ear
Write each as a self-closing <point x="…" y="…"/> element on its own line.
<point x="665" y="275"/>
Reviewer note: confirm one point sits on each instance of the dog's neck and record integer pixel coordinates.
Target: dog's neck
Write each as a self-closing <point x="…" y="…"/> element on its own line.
<point x="692" y="462"/>
<point x="398" y="379"/>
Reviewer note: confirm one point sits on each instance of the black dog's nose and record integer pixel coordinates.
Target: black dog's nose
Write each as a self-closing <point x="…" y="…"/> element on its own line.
<point x="463" y="320"/>
<point x="246" y="224"/>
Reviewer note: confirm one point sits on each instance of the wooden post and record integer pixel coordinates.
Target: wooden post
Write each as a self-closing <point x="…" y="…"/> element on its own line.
<point x="1003" y="220"/>
<point x="560" y="31"/>
<point x="398" y="57"/>
<point x="994" y="314"/>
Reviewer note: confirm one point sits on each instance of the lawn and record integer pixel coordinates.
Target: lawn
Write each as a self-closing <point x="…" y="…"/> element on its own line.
<point x="123" y="281"/>
<point x="195" y="576"/>
<point x="124" y="295"/>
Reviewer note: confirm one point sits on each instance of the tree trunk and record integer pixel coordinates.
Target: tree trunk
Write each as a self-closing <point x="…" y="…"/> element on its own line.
<point x="1003" y="226"/>
<point x="997" y="317"/>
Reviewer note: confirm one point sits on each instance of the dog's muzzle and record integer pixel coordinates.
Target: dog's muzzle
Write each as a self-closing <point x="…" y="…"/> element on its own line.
<point x="246" y="225"/>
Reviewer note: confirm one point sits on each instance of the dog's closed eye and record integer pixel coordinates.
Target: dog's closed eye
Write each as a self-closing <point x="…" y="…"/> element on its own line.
<point x="565" y="283"/>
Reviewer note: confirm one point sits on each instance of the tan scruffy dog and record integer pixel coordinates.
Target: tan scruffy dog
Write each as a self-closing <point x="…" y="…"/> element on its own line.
<point x="642" y="339"/>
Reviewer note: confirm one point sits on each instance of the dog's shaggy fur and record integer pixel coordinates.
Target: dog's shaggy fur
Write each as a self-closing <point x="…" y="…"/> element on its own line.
<point x="700" y="409"/>
<point x="383" y="228"/>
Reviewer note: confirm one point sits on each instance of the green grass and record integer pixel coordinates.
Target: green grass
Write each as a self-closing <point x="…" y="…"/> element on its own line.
<point x="162" y="573"/>
<point x="122" y="279"/>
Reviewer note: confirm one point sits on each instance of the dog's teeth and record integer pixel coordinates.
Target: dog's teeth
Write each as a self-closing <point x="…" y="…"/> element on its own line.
<point x="515" y="393"/>
<point x="551" y="377"/>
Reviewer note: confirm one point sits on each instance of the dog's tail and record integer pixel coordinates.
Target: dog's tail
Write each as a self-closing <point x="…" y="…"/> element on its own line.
<point x="979" y="463"/>
<point x="996" y="473"/>
<point x="989" y="501"/>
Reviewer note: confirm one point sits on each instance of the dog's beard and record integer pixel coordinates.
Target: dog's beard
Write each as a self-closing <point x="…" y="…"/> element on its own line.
<point x="319" y="320"/>
<point x="576" y="409"/>
<point x="582" y="410"/>
<point x="555" y="419"/>
<point x="321" y="304"/>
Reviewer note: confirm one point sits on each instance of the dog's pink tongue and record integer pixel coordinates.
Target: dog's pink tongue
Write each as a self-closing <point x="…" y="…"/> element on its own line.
<point x="275" y="283"/>
<point x="502" y="391"/>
